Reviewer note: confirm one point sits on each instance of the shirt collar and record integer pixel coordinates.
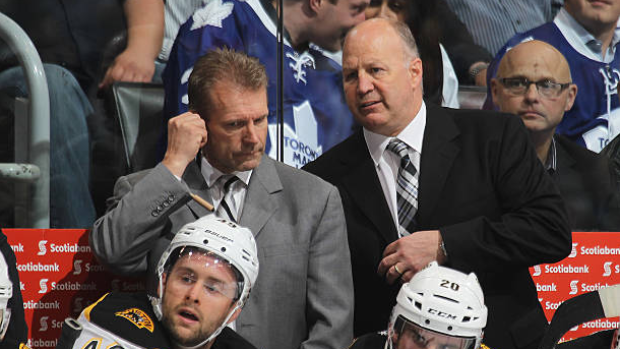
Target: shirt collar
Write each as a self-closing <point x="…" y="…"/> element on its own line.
<point x="581" y="40"/>
<point x="412" y="135"/>
<point x="212" y="174"/>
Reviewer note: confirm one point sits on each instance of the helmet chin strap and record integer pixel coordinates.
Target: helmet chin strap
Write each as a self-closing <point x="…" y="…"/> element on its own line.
<point x="216" y="332"/>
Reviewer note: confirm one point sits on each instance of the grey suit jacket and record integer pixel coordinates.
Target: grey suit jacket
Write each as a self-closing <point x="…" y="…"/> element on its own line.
<point x="303" y="297"/>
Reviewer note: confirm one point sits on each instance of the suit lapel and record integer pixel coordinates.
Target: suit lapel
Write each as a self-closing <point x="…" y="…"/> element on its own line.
<point x="363" y="186"/>
<point x="439" y="149"/>
<point x="196" y="183"/>
<point x="261" y="198"/>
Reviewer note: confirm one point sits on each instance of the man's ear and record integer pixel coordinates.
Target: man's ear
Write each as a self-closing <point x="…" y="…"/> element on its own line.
<point x="415" y="71"/>
<point x="570" y="99"/>
<point x="315" y="5"/>
<point x="494" y="90"/>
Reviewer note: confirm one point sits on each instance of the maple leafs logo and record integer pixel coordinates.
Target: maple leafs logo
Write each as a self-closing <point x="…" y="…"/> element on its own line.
<point x="212" y="14"/>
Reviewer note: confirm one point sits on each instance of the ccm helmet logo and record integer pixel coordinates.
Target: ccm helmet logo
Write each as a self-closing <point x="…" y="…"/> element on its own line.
<point x="42" y="248"/>
<point x="442" y="314"/>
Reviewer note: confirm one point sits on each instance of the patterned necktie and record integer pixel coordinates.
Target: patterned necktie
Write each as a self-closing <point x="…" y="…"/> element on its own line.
<point x="406" y="188"/>
<point x="227" y="198"/>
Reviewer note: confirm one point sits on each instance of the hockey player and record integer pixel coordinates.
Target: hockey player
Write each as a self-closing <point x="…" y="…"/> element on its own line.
<point x="439" y="308"/>
<point x="205" y="277"/>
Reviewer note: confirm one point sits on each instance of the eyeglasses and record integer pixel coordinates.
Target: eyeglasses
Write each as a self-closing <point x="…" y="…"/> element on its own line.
<point x="545" y="87"/>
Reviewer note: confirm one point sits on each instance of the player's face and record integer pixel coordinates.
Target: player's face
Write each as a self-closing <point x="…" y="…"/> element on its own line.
<point x="198" y="295"/>
<point x="392" y="9"/>
<point x="594" y="13"/>
<point x="381" y="80"/>
<point x="334" y="21"/>
<point x="540" y="114"/>
<point x="412" y="336"/>
<point x="237" y="127"/>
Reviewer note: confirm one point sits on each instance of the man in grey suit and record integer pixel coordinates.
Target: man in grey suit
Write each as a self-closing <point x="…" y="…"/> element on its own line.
<point x="303" y="296"/>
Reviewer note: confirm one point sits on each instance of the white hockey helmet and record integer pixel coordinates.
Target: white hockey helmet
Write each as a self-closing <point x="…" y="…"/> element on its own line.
<point x="442" y="301"/>
<point x="225" y="240"/>
<point x="6" y="292"/>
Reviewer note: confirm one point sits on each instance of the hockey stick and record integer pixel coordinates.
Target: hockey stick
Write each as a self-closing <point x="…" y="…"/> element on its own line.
<point x="586" y="307"/>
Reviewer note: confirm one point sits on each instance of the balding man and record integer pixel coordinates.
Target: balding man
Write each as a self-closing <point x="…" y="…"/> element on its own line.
<point x="586" y="33"/>
<point x="534" y="82"/>
<point x="484" y="204"/>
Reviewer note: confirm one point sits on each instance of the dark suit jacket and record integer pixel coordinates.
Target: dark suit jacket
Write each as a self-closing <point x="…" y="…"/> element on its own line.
<point x="587" y="186"/>
<point x="483" y="187"/>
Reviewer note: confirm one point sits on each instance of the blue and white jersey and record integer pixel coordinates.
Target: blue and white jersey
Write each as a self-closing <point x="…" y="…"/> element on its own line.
<point x="594" y="119"/>
<point x="316" y="116"/>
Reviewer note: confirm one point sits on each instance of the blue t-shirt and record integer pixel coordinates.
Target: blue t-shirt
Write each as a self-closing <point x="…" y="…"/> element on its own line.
<point x="316" y="116"/>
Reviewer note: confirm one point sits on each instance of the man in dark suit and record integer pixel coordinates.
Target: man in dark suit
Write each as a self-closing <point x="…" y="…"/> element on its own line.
<point x="534" y="82"/>
<point x="484" y="202"/>
<point x="302" y="298"/>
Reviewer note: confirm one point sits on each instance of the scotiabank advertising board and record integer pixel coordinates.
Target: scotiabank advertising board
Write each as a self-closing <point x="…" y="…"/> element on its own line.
<point x="59" y="277"/>
<point x="594" y="262"/>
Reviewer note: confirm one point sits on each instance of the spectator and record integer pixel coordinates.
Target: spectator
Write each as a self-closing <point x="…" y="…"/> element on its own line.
<point x="204" y="276"/>
<point x="314" y="112"/>
<point x="484" y="204"/>
<point x="303" y="296"/>
<point x="493" y="22"/>
<point x="584" y="177"/>
<point x="470" y="60"/>
<point x="440" y="85"/>
<point x="585" y="33"/>
<point x="438" y="308"/>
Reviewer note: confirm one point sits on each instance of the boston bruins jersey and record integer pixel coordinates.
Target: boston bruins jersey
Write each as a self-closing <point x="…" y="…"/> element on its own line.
<point x="121" y="321"/>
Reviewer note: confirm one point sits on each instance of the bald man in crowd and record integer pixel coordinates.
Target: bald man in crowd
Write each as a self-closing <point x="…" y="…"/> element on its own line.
<point x="534" y="82"/>
<point x="421" y="183"/>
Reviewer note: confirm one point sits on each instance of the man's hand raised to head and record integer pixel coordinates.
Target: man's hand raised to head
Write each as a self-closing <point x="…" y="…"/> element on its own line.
<point x="406" y="256"/>
<point x="187" y="134"/>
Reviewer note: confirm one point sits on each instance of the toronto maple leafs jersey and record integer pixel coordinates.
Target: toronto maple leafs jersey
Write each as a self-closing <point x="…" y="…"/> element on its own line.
<point x="316" y="116"/>
<point x="121" y="321"/>
<point x="594" y="119"/>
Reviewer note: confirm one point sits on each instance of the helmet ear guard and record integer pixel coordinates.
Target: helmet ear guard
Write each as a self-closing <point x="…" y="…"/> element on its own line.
<point x="444" y="301"/>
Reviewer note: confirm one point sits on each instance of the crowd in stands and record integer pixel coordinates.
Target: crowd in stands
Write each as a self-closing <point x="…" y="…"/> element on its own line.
<point x="339" y="159"/>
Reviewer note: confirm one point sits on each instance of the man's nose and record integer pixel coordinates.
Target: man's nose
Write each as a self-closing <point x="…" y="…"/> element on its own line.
<point x="531" y="93"/>
<point x="193" y="293"/>
<point x="385" y="12"/>
<point x="251" y="133"/>
<point x="364" y="84"/>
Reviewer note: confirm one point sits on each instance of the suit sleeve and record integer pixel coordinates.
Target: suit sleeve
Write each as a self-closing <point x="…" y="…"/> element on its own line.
<point x="533" y="227"/>
<point x="330" y="282"/>
<point x="136" y="219"/>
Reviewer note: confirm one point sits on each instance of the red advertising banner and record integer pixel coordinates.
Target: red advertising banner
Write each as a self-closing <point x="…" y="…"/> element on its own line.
<point x="59" y="277"/>
<point x="593" y="263"/>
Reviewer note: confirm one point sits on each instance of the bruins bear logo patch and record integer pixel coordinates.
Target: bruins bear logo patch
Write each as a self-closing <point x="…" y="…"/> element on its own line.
<point x="137" y="317"/>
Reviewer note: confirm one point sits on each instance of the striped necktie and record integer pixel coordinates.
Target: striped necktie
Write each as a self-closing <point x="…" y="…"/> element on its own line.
<point x="227" y="199"/>
<point x="406" y="188"/>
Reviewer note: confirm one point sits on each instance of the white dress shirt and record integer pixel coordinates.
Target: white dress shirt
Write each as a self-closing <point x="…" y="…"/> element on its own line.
<point x="387" y="163"/>
<point x="238" y="188"/>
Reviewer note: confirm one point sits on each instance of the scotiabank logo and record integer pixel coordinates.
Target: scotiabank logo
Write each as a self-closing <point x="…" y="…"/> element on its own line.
<point x="77" y="305"/>
<point x="42" y="248"/>
<point x="43" y="286"/>
<point x="537" y="271"/>
<point x="573" y="287"/>
<point x="77" y="267"/>
<point x="607" y="268"/>
<point x="43" y="323"/>
<point x="573" y="252"/>
<point x="115" y="285"/>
